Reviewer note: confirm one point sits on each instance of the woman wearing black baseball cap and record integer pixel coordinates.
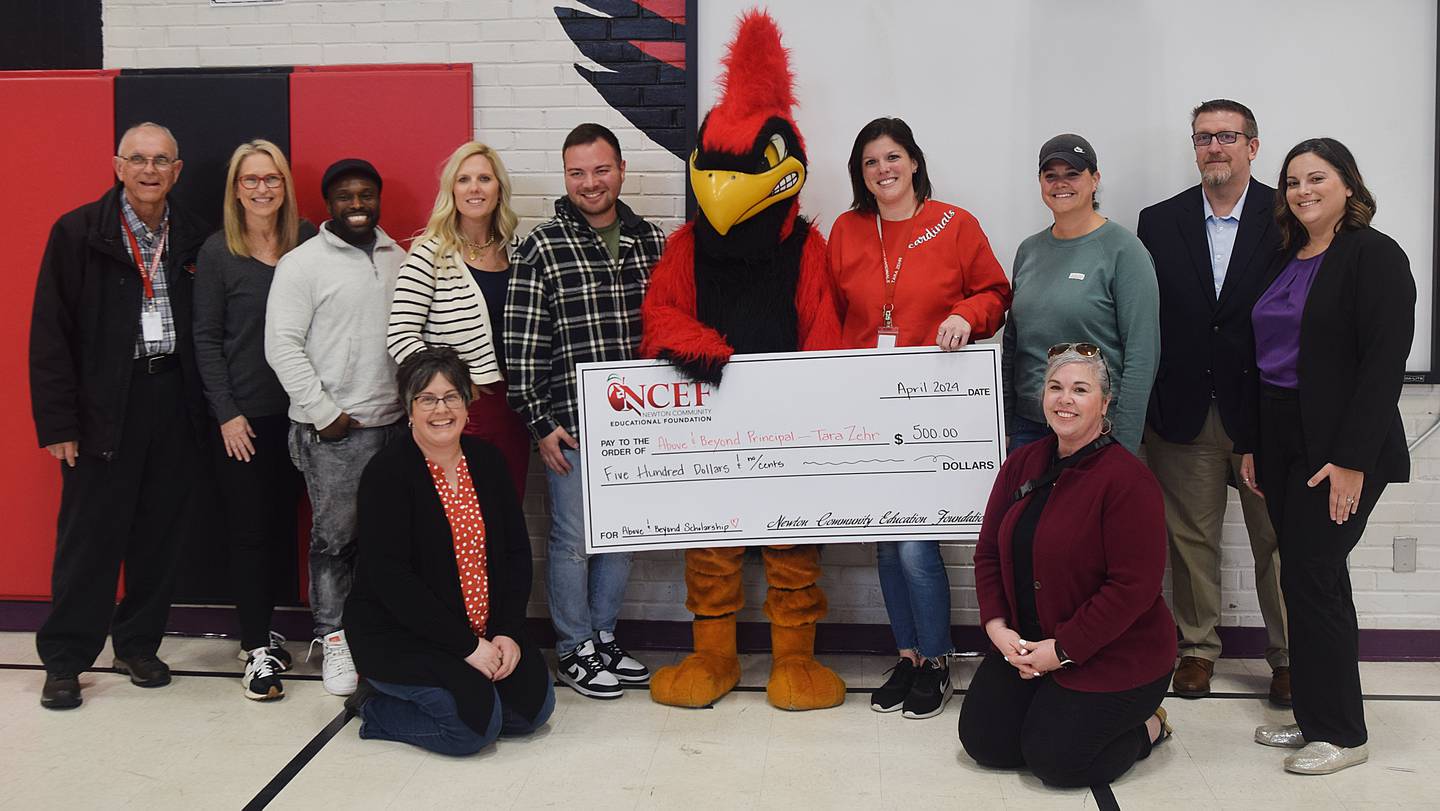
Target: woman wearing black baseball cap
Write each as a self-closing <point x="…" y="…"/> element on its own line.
<point x="1082" y="278"/>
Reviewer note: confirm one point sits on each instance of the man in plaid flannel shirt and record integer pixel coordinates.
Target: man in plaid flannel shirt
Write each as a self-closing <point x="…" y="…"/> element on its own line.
<point x="575" y="297"/>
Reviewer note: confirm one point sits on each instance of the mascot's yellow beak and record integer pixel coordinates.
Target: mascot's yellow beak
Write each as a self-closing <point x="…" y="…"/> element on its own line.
<point x="728" y="197"/>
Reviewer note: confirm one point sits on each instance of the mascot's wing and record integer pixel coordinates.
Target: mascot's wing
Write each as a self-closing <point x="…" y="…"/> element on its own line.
<point x="672" y="331"/>
<point x="815" y="299"/>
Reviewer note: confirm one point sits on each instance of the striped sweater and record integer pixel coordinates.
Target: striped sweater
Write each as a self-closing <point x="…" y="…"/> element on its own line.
<point x="438" y="303"/>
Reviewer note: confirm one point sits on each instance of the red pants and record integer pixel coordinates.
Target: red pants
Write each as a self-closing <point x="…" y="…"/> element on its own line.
<point x="492" y="420"/>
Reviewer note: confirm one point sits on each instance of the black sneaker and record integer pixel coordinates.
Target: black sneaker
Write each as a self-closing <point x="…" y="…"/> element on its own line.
<point x="625" y="667"/>
<point x="891" y="695"/>
<point x="585" y="672"/>
<point x="931" y="690"/>
<point x="262" y="676"/>
<point x="276" y="646"/>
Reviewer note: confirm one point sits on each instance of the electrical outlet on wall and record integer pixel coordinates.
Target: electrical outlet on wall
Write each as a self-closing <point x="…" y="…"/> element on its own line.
<point x="1404" y="554"/>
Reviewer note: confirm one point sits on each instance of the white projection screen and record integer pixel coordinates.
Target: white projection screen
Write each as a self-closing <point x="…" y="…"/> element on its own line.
<point x="984" y="83"/>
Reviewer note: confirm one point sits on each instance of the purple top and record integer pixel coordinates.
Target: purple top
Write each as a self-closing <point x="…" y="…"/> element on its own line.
<point x="1276" y="318"/>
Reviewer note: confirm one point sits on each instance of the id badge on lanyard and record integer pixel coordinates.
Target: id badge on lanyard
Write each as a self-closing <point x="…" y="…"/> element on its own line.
<point x="152" y="326"/>
<point x="888" y="334"/>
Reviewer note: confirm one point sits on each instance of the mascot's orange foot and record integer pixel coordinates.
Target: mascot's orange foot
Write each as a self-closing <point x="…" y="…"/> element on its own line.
<point x="705" y="675"/>
<point x="801" y="683"/>
<point x="698" y="681"/>
<point x="797" y="681"/>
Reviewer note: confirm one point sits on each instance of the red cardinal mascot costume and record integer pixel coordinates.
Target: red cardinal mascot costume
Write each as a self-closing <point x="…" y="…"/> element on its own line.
<point x="748" y="274"/>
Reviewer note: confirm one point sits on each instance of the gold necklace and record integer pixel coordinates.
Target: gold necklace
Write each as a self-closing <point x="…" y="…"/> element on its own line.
<point x="472" y="251"/>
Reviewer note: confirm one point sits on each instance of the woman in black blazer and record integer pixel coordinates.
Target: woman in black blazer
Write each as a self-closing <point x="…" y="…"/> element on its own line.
<point x="436" y="616"/>
<point x="1324" y="436"/>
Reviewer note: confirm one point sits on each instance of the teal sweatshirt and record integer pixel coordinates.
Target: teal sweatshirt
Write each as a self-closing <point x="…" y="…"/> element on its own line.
<point x="1098" y="288"/>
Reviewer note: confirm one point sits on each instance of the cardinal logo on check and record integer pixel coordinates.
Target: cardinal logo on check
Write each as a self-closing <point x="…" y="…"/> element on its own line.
<point x="644" y="397"/>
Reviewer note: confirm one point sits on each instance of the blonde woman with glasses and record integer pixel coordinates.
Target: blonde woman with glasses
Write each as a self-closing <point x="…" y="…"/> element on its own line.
<point x="451" y="292"/>
<point x="259" y="488"/>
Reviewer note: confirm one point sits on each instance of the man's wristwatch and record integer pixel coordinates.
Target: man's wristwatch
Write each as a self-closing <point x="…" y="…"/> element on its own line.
<point x="1065" y="661"/>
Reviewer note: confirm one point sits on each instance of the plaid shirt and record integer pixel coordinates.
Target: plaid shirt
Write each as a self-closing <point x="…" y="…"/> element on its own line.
<point x="149" y="241"/>
<point x="570" y="303"/>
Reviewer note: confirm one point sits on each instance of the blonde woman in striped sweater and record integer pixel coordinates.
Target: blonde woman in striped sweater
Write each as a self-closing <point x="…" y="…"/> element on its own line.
<point x="451" y="292"/>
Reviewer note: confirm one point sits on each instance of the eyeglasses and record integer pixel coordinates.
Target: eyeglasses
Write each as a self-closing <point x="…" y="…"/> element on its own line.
<point x="138" y="161"/>
<point x="429" y="402"/>
<point x="1227" y="137"/>
<point x="254" y="181"/>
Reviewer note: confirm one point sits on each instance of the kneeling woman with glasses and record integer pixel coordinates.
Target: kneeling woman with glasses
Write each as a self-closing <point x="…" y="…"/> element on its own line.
<point x="436" y="619"/>
<point x="1068" y="572"/>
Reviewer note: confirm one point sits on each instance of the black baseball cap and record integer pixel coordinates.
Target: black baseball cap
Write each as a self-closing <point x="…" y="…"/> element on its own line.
<point x="1070" y="148"/>
<point x="348" y="166"/>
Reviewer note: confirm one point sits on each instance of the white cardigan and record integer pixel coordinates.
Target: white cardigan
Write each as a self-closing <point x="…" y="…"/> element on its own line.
<point x="435" y="308"/>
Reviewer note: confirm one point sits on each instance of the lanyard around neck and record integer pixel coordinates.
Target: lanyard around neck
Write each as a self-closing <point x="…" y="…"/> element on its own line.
<point x="891" y="277"/>
<point x="147" y="275"/>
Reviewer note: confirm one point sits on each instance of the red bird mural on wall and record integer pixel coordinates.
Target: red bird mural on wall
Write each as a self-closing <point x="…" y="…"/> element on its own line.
<point x="641" y="43"/>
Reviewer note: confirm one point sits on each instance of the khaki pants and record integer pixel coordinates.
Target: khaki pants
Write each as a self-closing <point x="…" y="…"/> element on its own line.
<point x="1193" y="477"/>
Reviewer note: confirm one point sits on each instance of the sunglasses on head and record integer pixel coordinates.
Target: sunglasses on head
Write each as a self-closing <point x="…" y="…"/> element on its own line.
<point x="1084" y="350"/>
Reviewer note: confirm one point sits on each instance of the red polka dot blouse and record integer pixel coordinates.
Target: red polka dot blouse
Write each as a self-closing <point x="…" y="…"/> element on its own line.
<point x="467" y="526"/>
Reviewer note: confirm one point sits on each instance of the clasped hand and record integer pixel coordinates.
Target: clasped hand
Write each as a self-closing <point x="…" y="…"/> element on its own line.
<point x="1033" y="659"/>
<point x="495" y="658"/>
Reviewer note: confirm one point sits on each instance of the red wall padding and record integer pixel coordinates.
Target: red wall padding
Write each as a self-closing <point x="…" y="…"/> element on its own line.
<point x="57" y="141"/>
<point x="58" y="138"/>
<point x="404" y="119"/>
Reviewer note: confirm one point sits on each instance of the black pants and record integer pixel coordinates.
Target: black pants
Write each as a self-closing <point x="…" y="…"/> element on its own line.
<point x="1314" y="577"/>
<point x="1066" y="737"/>
<point x="260" y="499"/>
<point x="128" y="510"/>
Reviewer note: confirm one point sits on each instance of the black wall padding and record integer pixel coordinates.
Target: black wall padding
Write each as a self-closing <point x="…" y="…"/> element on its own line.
<point x="211" y="112"/>
<point x="50" y="35"/>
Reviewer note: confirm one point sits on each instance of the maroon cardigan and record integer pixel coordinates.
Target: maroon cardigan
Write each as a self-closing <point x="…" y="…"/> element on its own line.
<point x="1099" y="563"/>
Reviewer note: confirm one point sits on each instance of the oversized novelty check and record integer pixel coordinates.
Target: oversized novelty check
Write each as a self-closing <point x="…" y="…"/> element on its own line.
<point x="791" y="448"/>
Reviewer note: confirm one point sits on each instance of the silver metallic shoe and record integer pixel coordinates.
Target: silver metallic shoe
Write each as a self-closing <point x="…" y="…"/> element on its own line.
<point x="1319" y="757"/>
<point x="1283" y="735"/>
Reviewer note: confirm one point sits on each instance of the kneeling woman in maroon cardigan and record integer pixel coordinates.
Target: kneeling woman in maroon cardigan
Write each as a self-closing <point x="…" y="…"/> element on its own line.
<point x="436" y="616"/>
<point x="1068" y="571"/>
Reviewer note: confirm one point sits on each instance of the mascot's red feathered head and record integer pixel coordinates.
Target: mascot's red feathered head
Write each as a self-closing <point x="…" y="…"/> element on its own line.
<point x="751" y="158"/>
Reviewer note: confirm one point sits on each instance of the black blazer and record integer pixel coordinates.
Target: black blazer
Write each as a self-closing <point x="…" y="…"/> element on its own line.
<point x="1355" y="337"/>
<point x="1205" y="340"/>
<point x="405" y="618"/>
<point x="85" y="319"/>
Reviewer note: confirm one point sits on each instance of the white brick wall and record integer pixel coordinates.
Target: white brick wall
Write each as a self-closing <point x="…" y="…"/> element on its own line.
<point x="527" y="96"/>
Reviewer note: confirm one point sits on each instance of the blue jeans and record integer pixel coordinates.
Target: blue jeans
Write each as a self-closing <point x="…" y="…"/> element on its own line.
<point x="1022" y="432"/>
<point x="917" y="595"/>
<point x="426" y="717"/>
<point x="585" y="592"/>
<point x="332" y="477"/>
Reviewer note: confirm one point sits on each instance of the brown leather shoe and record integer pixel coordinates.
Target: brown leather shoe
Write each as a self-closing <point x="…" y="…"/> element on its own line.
<point x="1192" y="677"/>
<point x="1280" y="687"/>
<point x="61" y="691"/>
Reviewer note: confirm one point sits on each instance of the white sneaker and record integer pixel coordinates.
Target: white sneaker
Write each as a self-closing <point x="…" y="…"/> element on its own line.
<point x="585" y="672"/>
<point x="337" y="672"/>
<point x="618" y="661"/>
